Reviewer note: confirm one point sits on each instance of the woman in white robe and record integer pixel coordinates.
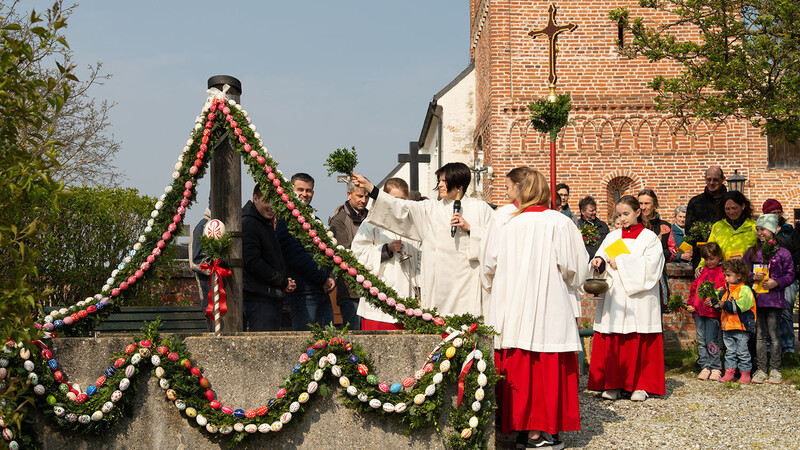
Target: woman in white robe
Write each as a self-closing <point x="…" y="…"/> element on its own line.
<point x="531" y="264"/>
<point x="627" y="348"/>
<point x="390" y="257"/>
<point x="450" y="268"/>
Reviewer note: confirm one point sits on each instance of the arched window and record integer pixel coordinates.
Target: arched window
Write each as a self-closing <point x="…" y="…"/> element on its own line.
<point x="617" y="188"/>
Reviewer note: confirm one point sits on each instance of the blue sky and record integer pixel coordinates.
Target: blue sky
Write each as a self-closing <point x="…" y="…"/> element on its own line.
<point x="315" y="75"/>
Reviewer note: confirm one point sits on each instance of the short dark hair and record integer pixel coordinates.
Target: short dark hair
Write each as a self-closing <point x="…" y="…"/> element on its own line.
<point x="302" y="176"/>
<point x="456" y="175"/>
<point x="561" y="186"/>
<point x="257" y="191"/>
<point x="738" y="198"/>
<point x="585" y="202"/>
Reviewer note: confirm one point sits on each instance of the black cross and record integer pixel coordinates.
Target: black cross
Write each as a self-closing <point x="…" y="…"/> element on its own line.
<point x="413" y="158"/>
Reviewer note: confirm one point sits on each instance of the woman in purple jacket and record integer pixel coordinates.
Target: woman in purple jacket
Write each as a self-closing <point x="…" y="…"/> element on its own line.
<point x="772" y="270"/>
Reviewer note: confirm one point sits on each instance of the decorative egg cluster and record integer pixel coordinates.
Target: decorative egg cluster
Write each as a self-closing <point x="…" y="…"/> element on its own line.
<point x="100" y="403"/>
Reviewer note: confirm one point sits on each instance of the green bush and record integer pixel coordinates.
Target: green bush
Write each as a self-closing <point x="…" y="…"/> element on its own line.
<point x="87" y="236"/>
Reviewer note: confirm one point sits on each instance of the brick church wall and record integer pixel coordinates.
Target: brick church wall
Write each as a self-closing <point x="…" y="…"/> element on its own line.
<point x="618" y="143"/>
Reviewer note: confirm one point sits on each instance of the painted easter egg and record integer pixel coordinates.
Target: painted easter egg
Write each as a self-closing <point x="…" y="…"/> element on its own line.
<point x="28" y="365"/>
<point x="238" y="427"/>
<point x="276" y="426"/>
<point x="438" y="321"/>
<point x="97" y="416"/>
<point x="428" y="367"/>
<point x="262" y="411"/>
<point x="227" y="410"/>
<point x="466" y="433"/>
<point x="400" y="407"/>
<point x="251" y="428"/>
<point x="482" y="380"/>
<point x="479" y="394"/>
<point x="84" y="419"/>
<point x="51" y="400"/>
<point x="430" y="390"/>
<point x="331" y="358"/>
<point x="294" y="407"/>
<point x="303" y="397"/>
<point x="384" y="387"/>
<point x="159" y="372"/>
<point x="59" y="411"/>
<point x="226" y="429"/>
<point x="396" y="387"/>
<point x="215" y="404"/>
<point x="155" y="360"/>
<point x="201" y="420"/>
<point x="481" y="366"/>
<point x="312" y="387"/>
<point x="34" y="379"/>
<point x="135" y="359"/>
<point x="450" y="352"/>
<point x="375" y="403"/>
<point x="8" y="434"/>
<point x="163" y="383"/>
<point x="211" y="428"/>
<point x="419" y="374"/>
<point x="317" y="374"/>
<point x="362" y="397"/>
<point x="444" y="366"/>
<point x="116" y="396"/>
<point x="408" y="382"/>
<point x="110" y="370"/>
<point x="13" y="445"/>
<point x="476" y="406"/>
<point x="286" y="417"/>
<point x="39" y="389"/>
<point x="53" y="364"/>
<point x="24" y="353"/>
<point x="363" y="369"/>
<point x="352" y="391"/>
<point x="180" y="404"/>
<point x="91" y="390"/>
<point x="344" y="382"/>
<point x="437" y="378"/>
<point x="171" y="394"/>
<point x="191" y="412"/>
<point x="372" y="379"/>
<point x="107" y="407"/>
<point x="336" y="371"/>
<point x="214" y="229"/>
<point x="263" y="428"/>
<point x="477" y="354"/>
<point x="322" y="361"/>
<point x="71" y="417"/>
<point x="239" y="413"/>
<point x="101" y="380"/>
<point x="473" y="422"/>
<point x="388" y="407"/>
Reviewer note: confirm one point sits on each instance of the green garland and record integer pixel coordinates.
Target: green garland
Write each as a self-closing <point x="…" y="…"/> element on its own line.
<point x="216" y="248"/>
<point x="550" y="117"/>
<point x="342" y="161"/>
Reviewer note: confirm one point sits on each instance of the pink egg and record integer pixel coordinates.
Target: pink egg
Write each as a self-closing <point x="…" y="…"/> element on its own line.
<point x="261" y="160"/>
<point x="367" y="284"/>
<point x="337" y="259"/>
<point x="322" y="246"/>
<point x="390" y="301"/>
<point x="352" y="271"/>
<point x="276" y="182"/>
<point x="382" y="296"/>
<point x="373" y="291"/>
<point x="329" y="252"/>
<point x="344" y="265"/>
<point x="271" y="176"/>
<point x="312" y="233"/>
<point x="306" y="226"/>
<point x="400" y="307"/>
<point x="360" y="278"/>
<point x="316" y="240"/>
<point x="290" y="205"/>
<point x="296" y="212"/>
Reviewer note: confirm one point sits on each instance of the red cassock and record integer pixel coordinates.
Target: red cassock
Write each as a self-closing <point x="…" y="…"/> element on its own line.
<point x="539" y="391"/>
<point x="630" y="362"/>
<point x="372" y="325"/>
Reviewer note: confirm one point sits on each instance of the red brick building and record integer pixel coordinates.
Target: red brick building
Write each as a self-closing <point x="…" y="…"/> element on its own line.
<point x="618" y="142"/>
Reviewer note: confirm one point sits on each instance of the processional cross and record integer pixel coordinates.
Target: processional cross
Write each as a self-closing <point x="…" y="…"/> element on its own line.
<point x="552" y="31"/>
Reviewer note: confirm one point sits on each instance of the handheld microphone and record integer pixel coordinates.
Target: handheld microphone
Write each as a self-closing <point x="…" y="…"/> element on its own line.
<point x="456" y="209"/>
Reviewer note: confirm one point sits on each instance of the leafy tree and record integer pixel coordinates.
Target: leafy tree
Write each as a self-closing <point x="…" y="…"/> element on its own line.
<point x="28" y="100"/>
<point x="81" y="125"/>
<point x="87" y="235"/>
<point x="740" y="59"/>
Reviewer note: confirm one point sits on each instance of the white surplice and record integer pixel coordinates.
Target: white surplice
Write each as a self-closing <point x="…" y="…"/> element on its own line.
<point x="632" y="303"/>
<point x="531" y="264"/>
<point x="367" y="246"/>
<point x="450" y="266"/>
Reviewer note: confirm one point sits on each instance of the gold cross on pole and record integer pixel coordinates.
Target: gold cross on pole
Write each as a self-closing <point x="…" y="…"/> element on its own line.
<point x="552" y="31"/>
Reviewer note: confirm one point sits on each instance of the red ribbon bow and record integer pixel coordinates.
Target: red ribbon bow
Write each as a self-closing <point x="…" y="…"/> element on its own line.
<point x="220" y="273"/>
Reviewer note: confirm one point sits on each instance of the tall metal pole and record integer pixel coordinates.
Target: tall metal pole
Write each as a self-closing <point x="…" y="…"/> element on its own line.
<point x="226" y="205"/>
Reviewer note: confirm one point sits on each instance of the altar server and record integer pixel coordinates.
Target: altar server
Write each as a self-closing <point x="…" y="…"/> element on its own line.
<point x="390" y="257"/>
<point x="627" y="348"/>
<point x="531" y="264"/>
<point x="451" y="240"/>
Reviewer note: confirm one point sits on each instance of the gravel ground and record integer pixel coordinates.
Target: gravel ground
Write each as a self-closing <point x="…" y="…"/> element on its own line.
<point x="692" y="414"/>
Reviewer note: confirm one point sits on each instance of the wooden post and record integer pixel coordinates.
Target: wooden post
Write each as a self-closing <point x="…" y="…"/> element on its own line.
<point x="226" y="205"/>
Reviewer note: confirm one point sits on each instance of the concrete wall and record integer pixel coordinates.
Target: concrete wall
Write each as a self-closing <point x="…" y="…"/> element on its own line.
<point x="245" y="371"/>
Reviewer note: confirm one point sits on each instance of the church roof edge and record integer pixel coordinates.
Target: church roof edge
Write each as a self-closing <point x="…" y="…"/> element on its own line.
<point x="426" y="124"/>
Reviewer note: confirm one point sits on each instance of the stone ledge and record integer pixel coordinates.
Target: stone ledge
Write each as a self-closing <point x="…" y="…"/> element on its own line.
<point x="245" y="370"/>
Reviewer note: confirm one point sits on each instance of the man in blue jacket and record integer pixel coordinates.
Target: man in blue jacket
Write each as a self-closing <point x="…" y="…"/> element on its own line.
<point x="309" y="303"/>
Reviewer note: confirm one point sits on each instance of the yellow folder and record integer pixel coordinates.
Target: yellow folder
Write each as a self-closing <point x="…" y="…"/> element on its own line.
<point x="684" y="247"/>
<point x="617" y="248"/>
<point x="758" y="287"/>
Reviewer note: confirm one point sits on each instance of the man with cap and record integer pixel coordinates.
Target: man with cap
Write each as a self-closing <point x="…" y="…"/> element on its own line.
<point x="788" y="238"/>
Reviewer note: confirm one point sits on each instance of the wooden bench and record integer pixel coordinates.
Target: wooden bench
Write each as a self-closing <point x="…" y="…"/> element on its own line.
<point x="174" y="319"/>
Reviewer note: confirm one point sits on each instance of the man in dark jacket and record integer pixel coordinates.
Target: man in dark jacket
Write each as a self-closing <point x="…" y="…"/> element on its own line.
<point x="265" y="280"/>
<point x="788" y="238"/>
<point x="705" y="207"/>
<point x="344" y="225"/>
<point x="588" y="209"/>
<point x="309" y="303"/>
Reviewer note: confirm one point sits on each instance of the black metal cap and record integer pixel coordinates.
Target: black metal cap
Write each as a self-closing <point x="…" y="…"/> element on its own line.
<point x="221" y="80"/>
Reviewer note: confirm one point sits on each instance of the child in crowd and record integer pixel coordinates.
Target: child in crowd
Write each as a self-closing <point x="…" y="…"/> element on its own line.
<point x="738" y="318"/>
<point x="772" y="270"/>
<point x="706" y="318"/>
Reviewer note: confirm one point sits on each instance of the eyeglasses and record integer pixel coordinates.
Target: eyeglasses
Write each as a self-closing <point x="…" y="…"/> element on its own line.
<point x="713" y="179"/>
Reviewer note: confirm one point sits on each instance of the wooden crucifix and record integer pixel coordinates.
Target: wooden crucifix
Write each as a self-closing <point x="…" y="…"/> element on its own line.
<point x="552" y="31"/>
<point x="413" y="158"/>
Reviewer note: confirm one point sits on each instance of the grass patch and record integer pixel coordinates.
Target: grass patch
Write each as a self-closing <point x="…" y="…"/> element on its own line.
<point x="790" y="368"/>
<point x="680" y="360"/>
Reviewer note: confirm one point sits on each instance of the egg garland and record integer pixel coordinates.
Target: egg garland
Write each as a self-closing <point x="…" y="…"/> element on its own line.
<point x="164" y="221"/>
